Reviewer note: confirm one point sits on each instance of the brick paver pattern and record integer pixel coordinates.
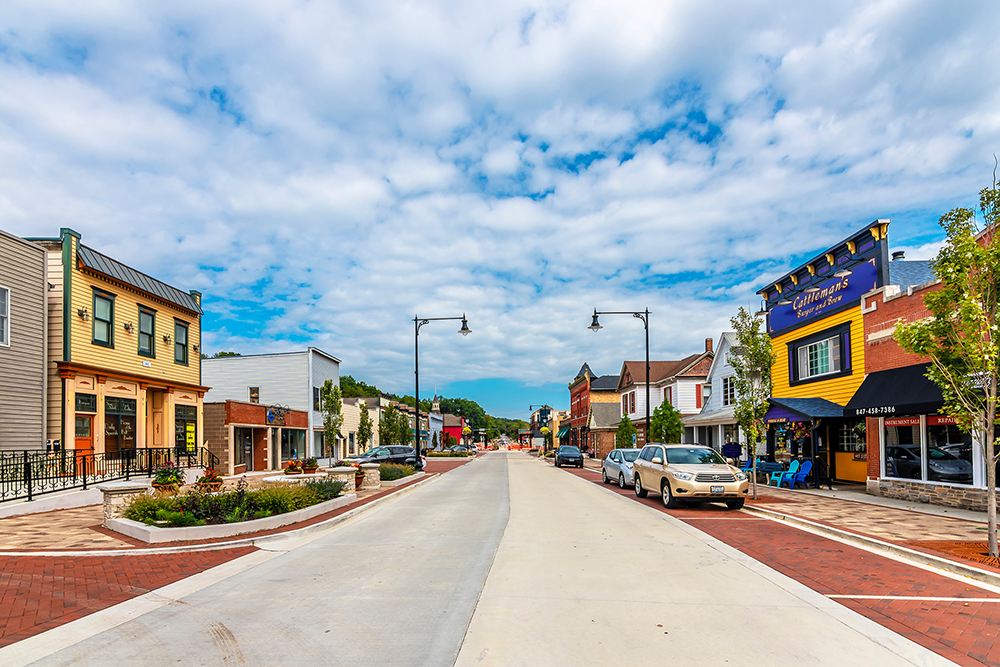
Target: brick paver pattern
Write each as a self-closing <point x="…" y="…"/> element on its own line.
<point x="964" y="632"/>
<point x="38" y="593"/>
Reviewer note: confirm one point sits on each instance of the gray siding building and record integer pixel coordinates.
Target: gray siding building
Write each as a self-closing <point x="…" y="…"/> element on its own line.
<point x="23" y="306"/>
<point x="287" y="379"/>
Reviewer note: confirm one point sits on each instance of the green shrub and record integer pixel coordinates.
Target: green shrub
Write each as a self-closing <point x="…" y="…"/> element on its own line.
<point x="391" y="471"/>
<point x="448" y="454"/>
<point x="176" y="519"/>
<point x="144" y="508"/>
<point x="327" y="489"/>
<point x="284" y="499"/>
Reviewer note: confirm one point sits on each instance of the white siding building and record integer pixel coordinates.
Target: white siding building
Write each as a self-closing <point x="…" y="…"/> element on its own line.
<point x="715" y="425"/>
<point x="288" y="379"/>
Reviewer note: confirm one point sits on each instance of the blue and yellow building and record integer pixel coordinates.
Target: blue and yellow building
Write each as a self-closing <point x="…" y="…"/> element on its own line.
<point x="814" y="318"/>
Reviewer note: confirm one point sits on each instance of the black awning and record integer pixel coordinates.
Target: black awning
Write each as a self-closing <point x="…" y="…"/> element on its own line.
<point x="899" y="391"/>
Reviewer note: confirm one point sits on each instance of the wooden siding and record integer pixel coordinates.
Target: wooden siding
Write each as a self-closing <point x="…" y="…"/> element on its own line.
<point x="125" y="354"/>
<point x="22" y="357"/>
<point x="283" y="379"/>
<point x="54" y="269"/>
<point x="838" y="390"/>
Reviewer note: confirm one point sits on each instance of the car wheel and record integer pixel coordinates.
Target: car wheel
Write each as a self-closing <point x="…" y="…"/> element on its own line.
<point x="621" y="481"/>
<point x="639" y="491"/>
<point x="604" y="476"/>
<point x="579" y="465"/>
<point x="668" y="498"/>
<point x="736" y="504"/>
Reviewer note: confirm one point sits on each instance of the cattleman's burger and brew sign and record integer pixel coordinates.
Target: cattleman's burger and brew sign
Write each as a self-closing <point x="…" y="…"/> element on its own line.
<point x="831" y="295"/>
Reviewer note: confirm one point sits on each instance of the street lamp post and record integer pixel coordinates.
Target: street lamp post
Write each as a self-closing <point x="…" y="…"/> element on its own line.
<point x="530" y="407"/>
<point x="643" y="315"/>
<point x="417" y="323"/>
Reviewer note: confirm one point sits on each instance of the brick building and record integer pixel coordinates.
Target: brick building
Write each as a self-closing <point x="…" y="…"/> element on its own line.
<point x="252" y="437"/>
<point x="913" y="451"/>
<point x="584" y="390"/>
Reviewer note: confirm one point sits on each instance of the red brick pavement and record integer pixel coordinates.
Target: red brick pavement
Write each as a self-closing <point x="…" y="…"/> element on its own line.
<point x="38" y="593"/>
<point x="964" y="632"/>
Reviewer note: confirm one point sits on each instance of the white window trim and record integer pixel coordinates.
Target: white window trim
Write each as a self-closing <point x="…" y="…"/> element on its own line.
<point x="833" y="370"/>
<point x="6" y="318"/>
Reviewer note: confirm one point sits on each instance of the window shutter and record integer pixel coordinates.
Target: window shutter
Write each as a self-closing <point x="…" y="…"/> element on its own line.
<point x="697" y="396"/>
<point x="835" y="365"/>
<point x="803" y="363"/>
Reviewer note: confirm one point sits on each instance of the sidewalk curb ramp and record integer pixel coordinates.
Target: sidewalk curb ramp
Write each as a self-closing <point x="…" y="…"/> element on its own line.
<point x="243" y="542"/>
<point x="879" y="546"/>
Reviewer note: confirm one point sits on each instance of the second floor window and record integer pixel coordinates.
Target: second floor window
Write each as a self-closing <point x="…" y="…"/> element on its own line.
<point x="317" y="405"/>
<point x="104" y="319"/>
<point x="4" y="316"/>
<point x="728" y="391"/>
<point x="180" y="342"/>
<point x="147" y="331"/>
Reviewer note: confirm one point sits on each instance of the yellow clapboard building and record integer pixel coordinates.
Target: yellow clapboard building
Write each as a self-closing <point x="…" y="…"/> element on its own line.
<point x="815" y="322"/>
<point x="124" y="368"/>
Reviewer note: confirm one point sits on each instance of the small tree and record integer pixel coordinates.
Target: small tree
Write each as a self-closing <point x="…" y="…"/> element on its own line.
<point x="752" y="359"/>
<point x="388" y="426"/>
<point x="625" y="436"/>
<point x="331" y="407"/>
<point x="546" y="437"/>
<point x="365" y="427"/>
<point x="962" y="338"/>
<point x="665" y="424"/>
<point x="434" y="441"/>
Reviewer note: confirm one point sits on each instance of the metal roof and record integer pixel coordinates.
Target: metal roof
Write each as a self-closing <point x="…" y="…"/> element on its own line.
<point x="95" y="261"/>
<point x="907" y="273"/>
<point x="604" y="383"/>
<point x="809" y="407"/>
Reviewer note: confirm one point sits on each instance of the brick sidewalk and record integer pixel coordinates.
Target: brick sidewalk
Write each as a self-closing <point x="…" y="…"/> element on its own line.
<point x="934" y="613"/>
<point x="38" y="593"/>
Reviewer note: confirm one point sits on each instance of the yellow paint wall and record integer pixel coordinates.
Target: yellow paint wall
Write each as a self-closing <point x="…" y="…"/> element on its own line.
<point x="605" y="397"/>
<point x="125" y="355"/>
<point x="839" y="389"/>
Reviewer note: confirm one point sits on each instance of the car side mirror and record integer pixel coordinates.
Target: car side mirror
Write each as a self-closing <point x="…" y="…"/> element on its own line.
<point x="657" y="459"/>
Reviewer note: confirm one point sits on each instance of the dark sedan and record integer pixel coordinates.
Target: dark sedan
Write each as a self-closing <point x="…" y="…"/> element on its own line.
<point x="569" y="456"/>
<point x="394" y="454"/>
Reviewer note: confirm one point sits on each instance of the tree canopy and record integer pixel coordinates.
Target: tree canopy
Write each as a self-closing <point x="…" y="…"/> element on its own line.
<point x="665" y="424"/>
<point x="624" y="436"/>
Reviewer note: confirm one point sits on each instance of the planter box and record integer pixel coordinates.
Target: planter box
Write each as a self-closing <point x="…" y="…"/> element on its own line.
<point x="404" y="480"/>
<point x="154" y="535"/>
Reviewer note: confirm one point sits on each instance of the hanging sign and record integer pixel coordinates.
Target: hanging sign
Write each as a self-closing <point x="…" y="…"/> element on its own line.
<point x="903" y="421"/>
<point x="940" y="420"/>
<point x="191" y="442"/>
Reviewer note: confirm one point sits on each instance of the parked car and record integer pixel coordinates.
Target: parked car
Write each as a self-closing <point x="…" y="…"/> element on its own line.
<point x="618" y="466"/>
<point x="393" y="454"/>
<point x="569" y="455"/>
<point x="904" y="461"/>
<point x="690" y="473"/>
<point x="460" y="448"/>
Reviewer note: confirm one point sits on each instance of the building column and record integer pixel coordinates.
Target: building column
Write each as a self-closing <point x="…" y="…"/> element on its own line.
<point x="99" y="425"/>
<point x="168" y="418"/>
<point x="140" y="417"/>
<point x="69" y="411"/>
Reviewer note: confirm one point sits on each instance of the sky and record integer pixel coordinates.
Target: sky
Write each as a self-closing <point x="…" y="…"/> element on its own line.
<point x="324" y="171"/>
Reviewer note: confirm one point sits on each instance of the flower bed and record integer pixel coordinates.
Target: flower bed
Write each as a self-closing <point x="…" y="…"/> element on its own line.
<point x="393" y="471"/>
<point x="243" y="504"/>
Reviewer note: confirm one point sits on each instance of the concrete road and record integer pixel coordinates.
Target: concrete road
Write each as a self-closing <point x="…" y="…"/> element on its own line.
<point x="575" y="576"/>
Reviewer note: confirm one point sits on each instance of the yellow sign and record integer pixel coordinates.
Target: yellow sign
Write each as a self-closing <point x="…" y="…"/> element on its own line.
<point x="191" y="442"/>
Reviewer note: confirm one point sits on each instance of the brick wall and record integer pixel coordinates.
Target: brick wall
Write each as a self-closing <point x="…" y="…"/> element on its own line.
<point x="881" y="314"/>
<point x="217" y="435"/>
<point x="962" y="497"/>
<point x="603" y="441"/>
<point x="238" y="412"/>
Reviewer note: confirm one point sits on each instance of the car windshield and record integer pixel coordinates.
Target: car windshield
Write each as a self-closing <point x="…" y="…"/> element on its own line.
<point x="694" y="455"/>
<point x="630" y="456"/>
<point x="567" y="449"/>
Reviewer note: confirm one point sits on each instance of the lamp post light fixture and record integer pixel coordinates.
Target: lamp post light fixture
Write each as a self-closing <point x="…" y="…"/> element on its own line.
<point x="417" y="323"/>
<point x="542" y="407"/>
<point x="643" y="315"/>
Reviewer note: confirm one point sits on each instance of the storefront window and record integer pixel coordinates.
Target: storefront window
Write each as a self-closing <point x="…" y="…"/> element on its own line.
<point x="186" y="428"/>
<point x="902" y="448"/>
<point x="783" y="444"/>
<point x="949" y="451"/>
<point x="119" y="424"/>
<point x="293" y="444"/>
<point x="86" y="403"/>
<point x="243" y="445"/>
<point x="852" y="438"/>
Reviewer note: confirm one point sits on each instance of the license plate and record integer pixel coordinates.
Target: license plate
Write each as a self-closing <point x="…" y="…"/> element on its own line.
<point x="718" y="489"/>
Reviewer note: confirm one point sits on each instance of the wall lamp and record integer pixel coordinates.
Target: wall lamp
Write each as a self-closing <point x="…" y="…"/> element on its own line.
<point x="167" y="339"/>
<point x="84" y="315"/>
<point x="843" y="273"/>
<point x="196" y="348"/>
<point x="129" y="327"/>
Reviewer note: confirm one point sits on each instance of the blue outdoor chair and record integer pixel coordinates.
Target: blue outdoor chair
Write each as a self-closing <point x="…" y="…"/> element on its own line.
<point x="798" y="477"/>
<point x="777" y="477"/>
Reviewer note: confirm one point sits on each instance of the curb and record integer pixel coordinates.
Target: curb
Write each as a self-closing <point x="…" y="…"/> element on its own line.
<point x="235" y="544"/>
<point x="879" y="546"/>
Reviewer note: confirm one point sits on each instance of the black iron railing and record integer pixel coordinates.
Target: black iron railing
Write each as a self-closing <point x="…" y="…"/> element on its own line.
<point x="29" y="474"/>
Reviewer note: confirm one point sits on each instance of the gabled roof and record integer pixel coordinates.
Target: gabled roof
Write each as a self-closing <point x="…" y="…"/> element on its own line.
<point x="661" y="370"/>
<point x="604" y="415"/>
<point x="584" y="369"/>
<point x="727" y="337"/>
<point x="95" y="261"/>
<point x="907" y="273"/>
<point x="452" y="420"/>
<point x="605" y="383"/>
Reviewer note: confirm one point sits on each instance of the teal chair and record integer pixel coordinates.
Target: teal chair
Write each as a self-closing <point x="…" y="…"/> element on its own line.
<point x="776" y="477"/>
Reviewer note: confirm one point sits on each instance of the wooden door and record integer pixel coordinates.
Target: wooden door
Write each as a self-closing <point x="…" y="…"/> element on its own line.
<point x="84" y="437"/>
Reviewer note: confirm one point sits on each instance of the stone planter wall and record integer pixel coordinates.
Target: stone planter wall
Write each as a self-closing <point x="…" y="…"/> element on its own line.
<point x="373" y="478"/>
<point x="949" y="495"/>
<point x="343" y="474"/>
<point x="117" y="495"/>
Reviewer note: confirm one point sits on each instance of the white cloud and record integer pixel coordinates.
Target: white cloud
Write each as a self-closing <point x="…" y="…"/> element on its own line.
<point x="321" y="171"/>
